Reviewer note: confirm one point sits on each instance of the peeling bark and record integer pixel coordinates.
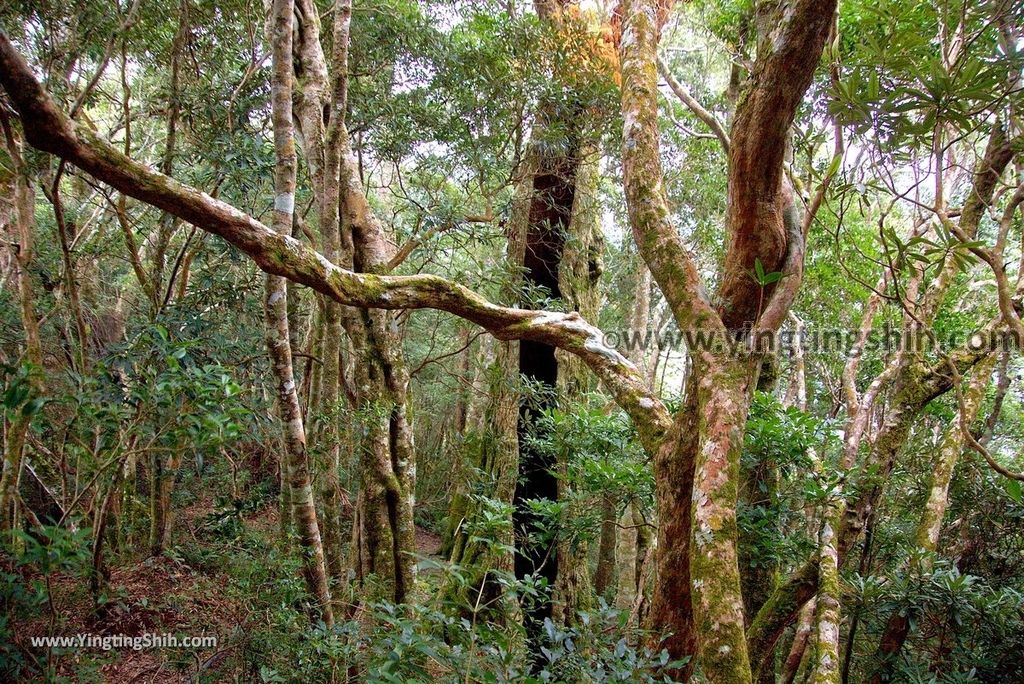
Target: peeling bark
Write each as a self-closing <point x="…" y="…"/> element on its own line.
<point x="760" y="228"/>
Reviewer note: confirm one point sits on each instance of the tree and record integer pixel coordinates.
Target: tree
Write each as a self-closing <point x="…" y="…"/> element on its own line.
<point x="789" y="204"/>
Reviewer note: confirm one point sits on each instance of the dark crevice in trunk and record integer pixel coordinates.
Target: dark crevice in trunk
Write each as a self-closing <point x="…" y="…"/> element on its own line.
<point x="549" y="215"/>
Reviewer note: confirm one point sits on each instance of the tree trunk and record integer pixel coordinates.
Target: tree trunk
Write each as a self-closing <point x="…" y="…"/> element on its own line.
<point x="927" y="536"/>
<point x="383" y="531"/>
<point x="555" y="168"/>
<point x="383" y="535"/>
<point x="671" y="612"/>
<point x="604" y="575"/>
<point x="826" y="614"/>
<point x="23" y="234"/>
<point x="487" y="553"/>
<point x="163" y="474"/>
<point x="580" y="268"/>
<point x="276" y="315"/>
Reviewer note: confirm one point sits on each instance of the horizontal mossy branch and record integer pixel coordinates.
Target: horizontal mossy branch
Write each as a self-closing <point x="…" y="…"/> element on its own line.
<point x="48" y="129"/>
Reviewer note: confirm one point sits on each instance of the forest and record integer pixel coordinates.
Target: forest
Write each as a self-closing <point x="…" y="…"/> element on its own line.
<point x="525" y="341"/>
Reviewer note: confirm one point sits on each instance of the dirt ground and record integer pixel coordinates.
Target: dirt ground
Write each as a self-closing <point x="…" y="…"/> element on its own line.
<point x="157" y="596"/>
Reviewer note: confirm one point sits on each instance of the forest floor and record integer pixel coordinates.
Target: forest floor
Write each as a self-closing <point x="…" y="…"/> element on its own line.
<point x="188" y="592"/>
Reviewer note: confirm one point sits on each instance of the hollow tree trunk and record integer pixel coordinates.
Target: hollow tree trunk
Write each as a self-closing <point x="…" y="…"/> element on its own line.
<point x="496" y="465"/>
<point x="555" y="166"/>
<point x="548" y="222"/>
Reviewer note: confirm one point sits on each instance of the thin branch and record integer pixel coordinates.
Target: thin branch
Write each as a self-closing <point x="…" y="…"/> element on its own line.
<point x="699" y="111"/>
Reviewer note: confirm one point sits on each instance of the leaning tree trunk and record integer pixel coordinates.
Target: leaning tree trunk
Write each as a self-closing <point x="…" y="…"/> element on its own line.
<point x="897" y="628"/>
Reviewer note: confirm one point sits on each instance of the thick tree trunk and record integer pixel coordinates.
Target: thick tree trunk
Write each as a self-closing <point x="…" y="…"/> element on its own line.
<point x="555" y="167"/>
<point x="723" y="401"/>
<point x="549" y="219"/>
<point x="487" y="553"/>
<point x="497" y="461"/>
<point x="671" y="612"/>
<point x="580" y="268"/>
<point x="383" y="539"/>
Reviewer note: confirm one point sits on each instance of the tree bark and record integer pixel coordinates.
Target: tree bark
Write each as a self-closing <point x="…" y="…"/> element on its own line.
<point x="897" y="627"/>
<point x="23" y="233"/>
<point x="915" y="384"/>
<point x="761" y="229"/>
<point x="580" y="269"/>
<point x="276" y="315"/>
<point x="827" y="615"/>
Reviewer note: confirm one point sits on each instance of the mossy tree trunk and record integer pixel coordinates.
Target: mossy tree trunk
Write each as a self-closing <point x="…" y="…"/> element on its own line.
<point x="915" y="383"/>
<point x="618" y="567"/>
<point x="487" y="551"/>
<point x="383" y="537"/>
<point x="703" y="607"/>
<point x="897" y="628"/>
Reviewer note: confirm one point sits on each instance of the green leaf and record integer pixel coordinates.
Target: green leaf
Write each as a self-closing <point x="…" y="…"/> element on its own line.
<point x="1014" y="489"/>
<point x="32" y="407"/>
